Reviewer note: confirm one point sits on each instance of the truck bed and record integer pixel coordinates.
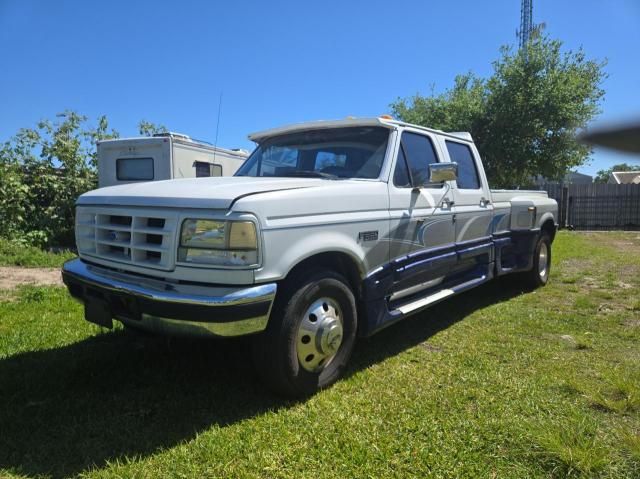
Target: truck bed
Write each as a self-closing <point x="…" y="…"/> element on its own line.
<point x="500" y="196"/>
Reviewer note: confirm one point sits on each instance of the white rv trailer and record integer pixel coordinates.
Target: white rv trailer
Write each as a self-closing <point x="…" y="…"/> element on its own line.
<point x="163" y="157"/>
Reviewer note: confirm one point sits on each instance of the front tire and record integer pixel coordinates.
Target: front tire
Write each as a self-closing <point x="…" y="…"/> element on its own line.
<point x="539" y="274"/>
<point x="310" y="335"/>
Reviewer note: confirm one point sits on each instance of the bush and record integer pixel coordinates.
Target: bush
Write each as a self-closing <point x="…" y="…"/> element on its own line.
<point x="43" y="170"/>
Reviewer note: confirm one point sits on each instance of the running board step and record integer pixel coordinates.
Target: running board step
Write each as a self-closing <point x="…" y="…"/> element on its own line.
<point x="439" y="296"/>
<point x="423" y="302"/>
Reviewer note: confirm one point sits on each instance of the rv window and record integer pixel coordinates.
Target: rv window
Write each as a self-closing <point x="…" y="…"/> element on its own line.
<point x="216" y="170"/>
<point x="204" y="169"/>
<point x="134" y="169"/>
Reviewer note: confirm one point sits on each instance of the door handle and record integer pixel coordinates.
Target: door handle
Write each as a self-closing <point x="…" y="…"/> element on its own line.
<point x="484" y="202"/>
<point x="448" y="201"/>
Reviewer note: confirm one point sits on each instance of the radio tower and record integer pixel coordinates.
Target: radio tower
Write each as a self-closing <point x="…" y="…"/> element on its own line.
<point x="526" y="22"/>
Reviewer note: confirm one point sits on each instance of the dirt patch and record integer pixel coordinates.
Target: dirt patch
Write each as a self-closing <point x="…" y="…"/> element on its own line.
<point x="573" y="266"/>
<point x="12" y="276"/>
<point x="431" y="347"/>
<point x="626" y="243"/>
<point x="611" y="307"/>
<point x="596" y="274"/>
<point x="591" y="282"/>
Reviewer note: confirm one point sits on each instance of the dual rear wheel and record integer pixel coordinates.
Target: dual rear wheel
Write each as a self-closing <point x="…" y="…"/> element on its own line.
<point x="538" y="275"/>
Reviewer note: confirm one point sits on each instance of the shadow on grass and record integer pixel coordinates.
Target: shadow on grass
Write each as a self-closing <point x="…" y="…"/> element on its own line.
<point x="420" y="327"/>
<point x="64" y="410"/>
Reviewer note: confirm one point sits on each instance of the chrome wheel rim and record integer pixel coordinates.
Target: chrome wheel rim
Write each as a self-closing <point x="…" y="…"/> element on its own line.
<point x="320" y="335"/>
<point x="543" y="260"/>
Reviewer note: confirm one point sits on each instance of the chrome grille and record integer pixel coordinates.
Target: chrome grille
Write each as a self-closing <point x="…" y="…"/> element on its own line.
<point x="141" y="237"/>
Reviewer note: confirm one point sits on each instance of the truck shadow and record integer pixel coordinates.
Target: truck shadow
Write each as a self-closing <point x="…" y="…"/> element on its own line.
<point x="420" y="327"/>
<point x="118" y="395"/>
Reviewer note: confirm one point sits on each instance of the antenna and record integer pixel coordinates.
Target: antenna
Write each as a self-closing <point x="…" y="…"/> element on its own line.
<point x="526" y="22"/>
<point x="215" y="143"/>
<point x="528" y="30"/>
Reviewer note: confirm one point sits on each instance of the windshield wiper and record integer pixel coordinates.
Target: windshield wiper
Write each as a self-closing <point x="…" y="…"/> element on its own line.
<point x="309" y="174"/>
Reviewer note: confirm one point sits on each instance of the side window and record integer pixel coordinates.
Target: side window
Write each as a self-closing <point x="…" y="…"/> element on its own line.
<point x="216" y="170"/>
<point x="205" y="170"/>
<point x="416" y="153"/>
<point x="202" y="169"/>
<point x="467" y="171"/>
<point x="401" y="175"/>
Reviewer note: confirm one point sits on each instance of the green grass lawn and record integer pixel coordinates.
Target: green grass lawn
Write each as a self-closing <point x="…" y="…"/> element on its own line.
<point x="14" y="254"/>
<point x="497" y="382"/>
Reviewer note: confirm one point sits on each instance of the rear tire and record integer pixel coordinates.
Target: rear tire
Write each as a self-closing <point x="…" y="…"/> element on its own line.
<point x="310" y="336"/>
<point x="539" y="274"/>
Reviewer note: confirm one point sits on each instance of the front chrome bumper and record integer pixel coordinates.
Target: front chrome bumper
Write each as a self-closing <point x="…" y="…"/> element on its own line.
<point x="168" y="308"/>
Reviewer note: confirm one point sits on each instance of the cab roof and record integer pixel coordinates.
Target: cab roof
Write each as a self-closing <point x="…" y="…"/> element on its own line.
<point x="384" y="122"/>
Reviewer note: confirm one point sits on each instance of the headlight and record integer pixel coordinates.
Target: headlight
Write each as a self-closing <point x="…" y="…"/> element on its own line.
<point x="203" y="234"/>
<point x="223" y="243"/>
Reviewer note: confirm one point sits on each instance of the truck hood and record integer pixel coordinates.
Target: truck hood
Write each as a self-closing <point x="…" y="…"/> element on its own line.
<point x="211" y="193"/>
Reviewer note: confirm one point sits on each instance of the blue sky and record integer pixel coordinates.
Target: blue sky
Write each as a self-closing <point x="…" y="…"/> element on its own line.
<point x="280" y="62"/>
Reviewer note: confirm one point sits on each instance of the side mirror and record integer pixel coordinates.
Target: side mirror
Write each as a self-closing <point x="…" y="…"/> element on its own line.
<point x="439" y="172"/>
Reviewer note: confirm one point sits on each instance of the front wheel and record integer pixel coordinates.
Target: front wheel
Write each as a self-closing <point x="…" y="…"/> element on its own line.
<point x="310" y="335"/>
<point x="539" y="274"/>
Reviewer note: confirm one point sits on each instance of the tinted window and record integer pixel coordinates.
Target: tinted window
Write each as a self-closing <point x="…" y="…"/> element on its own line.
<point x="350" y="152"/>
<point x="329" y="159"/>
<point x="202" y="169"/>
<point x="401" y="175"/>
<point x="418" y="152"/>
<point x="275" y="162"/>
<point x="467" y="172"/>
<point x="134" y="169"/>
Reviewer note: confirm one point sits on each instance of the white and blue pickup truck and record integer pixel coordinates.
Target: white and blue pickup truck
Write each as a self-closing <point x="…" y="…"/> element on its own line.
<point x="330" y="230"/>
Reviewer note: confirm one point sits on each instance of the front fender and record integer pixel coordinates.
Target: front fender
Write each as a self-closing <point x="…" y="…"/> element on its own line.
<point x="286" y="248"/>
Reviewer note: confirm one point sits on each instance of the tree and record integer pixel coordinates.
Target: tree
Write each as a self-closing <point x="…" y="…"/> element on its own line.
<point x="525" y="116"/>
<point x="602" y="176"/>
<point x="456" y="109"/>
<point x="43" y="170"/>
<point x="147" y="128"/>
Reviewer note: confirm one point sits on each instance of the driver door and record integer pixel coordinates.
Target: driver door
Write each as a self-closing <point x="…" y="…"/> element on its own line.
<point x="422" y="233"/>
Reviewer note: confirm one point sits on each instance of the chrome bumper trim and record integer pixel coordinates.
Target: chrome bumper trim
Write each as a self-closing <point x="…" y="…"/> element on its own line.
<point x="180" y="327"/>
<point x="185" y="296"/>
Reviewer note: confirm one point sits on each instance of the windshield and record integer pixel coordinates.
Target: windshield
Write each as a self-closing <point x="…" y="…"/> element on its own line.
<point x="353" y="152"/>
